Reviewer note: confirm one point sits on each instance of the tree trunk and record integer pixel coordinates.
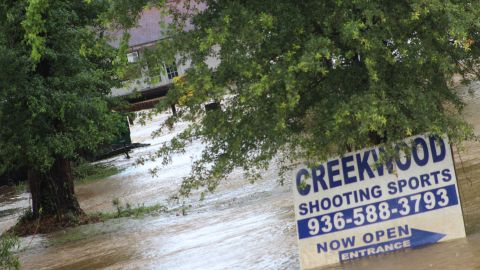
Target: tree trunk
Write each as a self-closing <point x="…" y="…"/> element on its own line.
<point x="53" y="192"/>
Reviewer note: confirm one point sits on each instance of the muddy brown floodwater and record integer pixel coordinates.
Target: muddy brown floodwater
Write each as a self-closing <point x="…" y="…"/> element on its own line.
<point x="241" y="226"/>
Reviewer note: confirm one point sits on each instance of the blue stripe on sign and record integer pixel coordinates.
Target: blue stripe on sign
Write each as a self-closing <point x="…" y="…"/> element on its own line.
<point x="416" y="239"/>
<point x="397" y="208"/>
<point x="397" y="245"/>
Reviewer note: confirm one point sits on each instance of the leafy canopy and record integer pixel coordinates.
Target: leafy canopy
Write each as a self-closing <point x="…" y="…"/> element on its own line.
<point x="305" y="80"/>
<point x="56" y="70"/>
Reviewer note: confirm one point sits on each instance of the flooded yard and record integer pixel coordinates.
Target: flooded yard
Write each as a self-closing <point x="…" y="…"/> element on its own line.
<point x="240" y="226"/>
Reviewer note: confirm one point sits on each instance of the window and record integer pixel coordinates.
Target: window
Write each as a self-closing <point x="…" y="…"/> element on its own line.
<point x="133" y="70"/>
<point x="132" y="57"/>
<point x="172" y="71"/>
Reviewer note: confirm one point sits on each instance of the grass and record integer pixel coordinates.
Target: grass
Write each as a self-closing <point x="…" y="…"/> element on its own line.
<point x="21" y="187"/>
<point x="121" y="211"/>
<point x="7" y="259"/>
<point x="128" y="210"/>
<point x="85" y="172"/>
<point x="28" y="225"/>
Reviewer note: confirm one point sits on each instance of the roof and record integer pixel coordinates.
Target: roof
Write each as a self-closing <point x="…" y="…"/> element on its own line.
<point x="147" y="31"/>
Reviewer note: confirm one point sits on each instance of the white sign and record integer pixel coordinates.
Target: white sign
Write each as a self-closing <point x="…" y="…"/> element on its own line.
<point x="352" y="207"/>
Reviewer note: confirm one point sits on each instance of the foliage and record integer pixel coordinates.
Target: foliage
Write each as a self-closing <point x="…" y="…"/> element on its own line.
<point x="85" y="172"/>
<point x="21" y="187"/>
<point x="7" y="259"/>
<point x="26" y="216"/>
<point x="306" y="80"/>
<point x="56" y="72"/>
<point x="128" y="210"/>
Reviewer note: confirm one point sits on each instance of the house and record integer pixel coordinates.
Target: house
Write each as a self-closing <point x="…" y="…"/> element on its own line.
<point x="140" y="89"/>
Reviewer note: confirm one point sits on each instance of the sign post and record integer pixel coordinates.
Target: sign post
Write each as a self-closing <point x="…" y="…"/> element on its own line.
<point x="354" y="206"/>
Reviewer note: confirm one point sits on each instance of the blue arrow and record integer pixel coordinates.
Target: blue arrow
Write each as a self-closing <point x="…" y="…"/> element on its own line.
<point x="421" y="238"/>
<point x="416" y="239"/>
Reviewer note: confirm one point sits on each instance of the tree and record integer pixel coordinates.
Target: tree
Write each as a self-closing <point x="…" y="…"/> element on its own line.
<point x="56" y="70"/>
<point x="305" y="80"/>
